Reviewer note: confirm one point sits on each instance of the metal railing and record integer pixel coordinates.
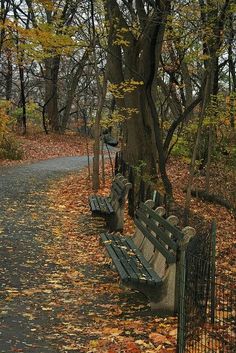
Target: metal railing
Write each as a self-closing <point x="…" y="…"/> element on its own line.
<point x="207" y="307"/>
<point x="206" y="321"/>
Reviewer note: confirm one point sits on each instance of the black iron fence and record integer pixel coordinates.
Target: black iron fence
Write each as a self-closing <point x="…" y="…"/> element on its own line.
<point x="217" y="335"/>
<point x="206" y="322"/>
<point x="207" y="307"/>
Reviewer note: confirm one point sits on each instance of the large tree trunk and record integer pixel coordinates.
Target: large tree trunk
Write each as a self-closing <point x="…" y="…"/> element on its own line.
<point x="139" y="134"/>
<point x="51" y="91"/>
<point x="139" y="61"/>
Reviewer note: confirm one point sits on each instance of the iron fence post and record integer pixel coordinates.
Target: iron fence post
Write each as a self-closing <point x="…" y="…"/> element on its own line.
<point x="181" y="293"/>
<point x="213" y="269"/>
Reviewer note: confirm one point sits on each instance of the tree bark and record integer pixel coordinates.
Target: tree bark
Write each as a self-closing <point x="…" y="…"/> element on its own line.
<point x="97" y="133"/>
<point x="71" y="91"/>
<point x="23" y="99"/>
<point x="52" y="66"/>
<point x="139" y="60"/>
<point x="9" y="76"/>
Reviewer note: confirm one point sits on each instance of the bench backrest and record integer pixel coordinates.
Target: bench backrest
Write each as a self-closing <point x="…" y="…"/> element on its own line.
<point x="159" y="235"/>
<point x="119" y="190"/>
<point x="163" y="246"/>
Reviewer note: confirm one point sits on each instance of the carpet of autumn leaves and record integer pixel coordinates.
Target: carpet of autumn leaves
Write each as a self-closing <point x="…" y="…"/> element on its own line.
<point x="113" y="319"/>
<point x="39" y="146"/>
<point x="225" y="219"/>
<point x="98" y="315"/>
<point x="117" y="324"/>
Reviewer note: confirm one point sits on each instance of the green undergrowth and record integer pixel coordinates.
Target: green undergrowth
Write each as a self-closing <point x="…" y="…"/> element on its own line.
<point x="10" y="148"/>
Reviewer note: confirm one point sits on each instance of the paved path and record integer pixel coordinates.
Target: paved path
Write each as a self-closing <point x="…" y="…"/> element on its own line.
<point x="58" y="294"/>
<point x="24" y="266"/>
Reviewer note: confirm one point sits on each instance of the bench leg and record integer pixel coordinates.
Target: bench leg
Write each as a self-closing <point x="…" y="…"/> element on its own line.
<point x="115" y="221"/>
<point x="165" y="301"/>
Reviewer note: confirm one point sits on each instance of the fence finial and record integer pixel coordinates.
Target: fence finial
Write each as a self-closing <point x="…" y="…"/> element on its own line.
<point x="173" y="220"/>
<point x="189" y="232"/>
<point x="160" y="210"/>
<point x="149" y="203"/>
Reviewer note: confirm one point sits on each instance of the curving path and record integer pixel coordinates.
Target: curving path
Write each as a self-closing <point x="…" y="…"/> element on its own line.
<point x="24" y="267"/>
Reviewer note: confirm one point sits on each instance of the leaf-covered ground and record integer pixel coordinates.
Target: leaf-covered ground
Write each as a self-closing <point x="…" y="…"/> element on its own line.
<point x="40" y="146"/>
<point x="99" y="315"/>
<point x="225" y="219"/>
<point x="58" y="291"/>
<point x="83" y="233"/>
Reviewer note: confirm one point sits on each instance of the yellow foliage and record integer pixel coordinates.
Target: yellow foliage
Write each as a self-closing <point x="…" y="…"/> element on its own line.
<point x="121" y="38"/>
<point x="4" y="118"/>
<point x="121" y="41"/>
<point x="220" y="110"/>
<point x="120" y="89"/>
<point x="47" y="4"/>
<point x="118" y="117"/>
<point x="46" y="40"/>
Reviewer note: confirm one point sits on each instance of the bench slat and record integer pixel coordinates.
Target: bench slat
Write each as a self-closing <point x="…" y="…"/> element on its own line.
<point x="119" y="193"/>
<point x="124" y="274"/>
<point x="170" y="258"/>
<point x="148" y="268"/>
<point x="173" y="230"/>
<point x="154" y="227"/>
<point x="100" y="204"/>
<point x="129" y="261"/>
<point x="121" y="183"/>
<point x="124" y="258"/>
<point x="108" y="203"/>
<point x="131" y="258"/>
<point x="92" y="204"/>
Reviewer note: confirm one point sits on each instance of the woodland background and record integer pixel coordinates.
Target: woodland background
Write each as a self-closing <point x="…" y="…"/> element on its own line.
<point x="159" y="76"/>
<point x="157" y="79"/>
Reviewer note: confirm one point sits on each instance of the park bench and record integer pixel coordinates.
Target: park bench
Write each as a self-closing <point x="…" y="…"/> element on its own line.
<point x="112" y="207"/>
<point x="149" y="261"/>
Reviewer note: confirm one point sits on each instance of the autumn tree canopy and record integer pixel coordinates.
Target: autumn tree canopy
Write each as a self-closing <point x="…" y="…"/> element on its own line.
<point x="168" y="68"/>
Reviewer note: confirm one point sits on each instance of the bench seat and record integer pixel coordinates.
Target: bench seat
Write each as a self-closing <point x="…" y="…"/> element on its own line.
<point x="129" y="261"/>
<point x="100" y="204"/>
<point x="112" y="207"/>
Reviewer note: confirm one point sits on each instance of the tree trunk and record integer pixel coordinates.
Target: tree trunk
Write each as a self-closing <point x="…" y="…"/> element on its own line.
<point x="23" y="100"/>
<point x="208" y="165"/>
<point x="97" y="129"/>
<point x="138" y="61"/>
<point x="51" y="91"/>
<point x="9" y="76"/>
<point x="72" y="90"/>
<point x="139" y="140"/>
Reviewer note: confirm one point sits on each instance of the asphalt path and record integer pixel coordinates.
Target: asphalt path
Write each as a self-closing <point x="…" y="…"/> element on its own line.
<point x="24" y="267"/>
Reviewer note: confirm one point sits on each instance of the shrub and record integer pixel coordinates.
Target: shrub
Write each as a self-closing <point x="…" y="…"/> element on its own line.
<point x="182" y="149"/>
<point x="10" y="148"/>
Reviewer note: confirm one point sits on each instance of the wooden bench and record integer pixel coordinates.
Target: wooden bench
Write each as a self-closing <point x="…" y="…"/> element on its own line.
<point x="149" y="261"/>
<point x="112" y="207"/>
